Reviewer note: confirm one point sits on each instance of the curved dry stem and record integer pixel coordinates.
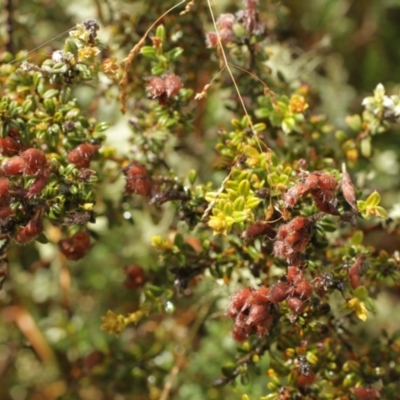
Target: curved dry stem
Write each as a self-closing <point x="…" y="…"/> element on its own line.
<point x="123" y="83"/>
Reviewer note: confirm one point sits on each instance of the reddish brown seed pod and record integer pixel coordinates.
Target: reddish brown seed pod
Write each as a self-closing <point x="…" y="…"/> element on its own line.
<point x="305" y="380"/>
<point x="369" y="393"/>
<point x="348" y="188"/>
<point x="137" y="179"/>
<point x="155" y="87"/>
<point x="4" y="186"/>
<point x="355" y="270"/>
<point x="294" y="194"/>
<point x="257" y="229"/>
<point x="82" y="155"/>
<point x="327" y="182"/>
<point x="34" y="159"/>
<point x="15" y="166"/>
<point x="238" y="301"/>
<point x="303" y="289"/>
<point x="263" y="328"/>
<point x="135" y="277"/>
<point x="259" y="296"/>
<point x="295" y="304"/>
<point x="28" y="232"/>
<point x="298" y="223"/>
<point x="5" y="212"/>
<point x="173" y="85"/>
<point x="239" y="333"/>
<point x="294" y="274"/>
<point x="75" y="247"/>
<point x="9" y="147"/>
<point x="323" y="204"/>
<point x="211" y="39"/>
<point x="225" y="21"/>
<point x="41" y="181"/>
<point x="311" y="181"/>
<point x="258" y="313"/>
<point x="278" y="292"/>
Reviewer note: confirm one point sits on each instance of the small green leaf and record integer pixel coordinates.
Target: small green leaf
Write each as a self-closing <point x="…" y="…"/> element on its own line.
<point x="373" y="199"/>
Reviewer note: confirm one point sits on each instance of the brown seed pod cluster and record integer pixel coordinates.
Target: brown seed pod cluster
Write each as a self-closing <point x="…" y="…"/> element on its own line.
<point x="30" y="162"/>
<point x="224" y="24"/>
<point x="322" y="187"/>
<point x="251" y="311"/>
<point x="75" y="247"/>
<point x="137" y="179"/>
<point x="292" y="238"/>
<point x="249" y="17"/>
<point x="163" y="88"/>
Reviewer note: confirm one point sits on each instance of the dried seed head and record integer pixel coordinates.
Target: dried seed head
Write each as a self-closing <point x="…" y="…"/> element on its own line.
<point x="35" y="160"/>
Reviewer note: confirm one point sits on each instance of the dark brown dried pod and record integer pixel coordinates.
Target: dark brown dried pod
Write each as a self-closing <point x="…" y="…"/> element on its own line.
<point x="257" y="229"/>
<point x="9" y="147"/>
<point x="28" y="232"/>
<point x="75" y="247"/>
<point x="348" y="188"/>
<point x="137" y="179"/>
<point x="135" y="277"/>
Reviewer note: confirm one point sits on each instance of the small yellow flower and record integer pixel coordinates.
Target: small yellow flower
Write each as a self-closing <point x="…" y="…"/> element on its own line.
<point x="110" y="68"/>
<point x="359" y="308"/>
<point x="297" y="104"/>
<point x="112" y="323"/>
<point x="88" y="52"/>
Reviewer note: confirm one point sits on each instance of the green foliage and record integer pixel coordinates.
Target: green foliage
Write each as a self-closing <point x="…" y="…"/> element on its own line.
<point x="209" y="243"/>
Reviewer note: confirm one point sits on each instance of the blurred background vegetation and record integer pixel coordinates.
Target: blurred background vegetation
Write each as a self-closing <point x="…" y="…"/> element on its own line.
<point x="51" y="345"/>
